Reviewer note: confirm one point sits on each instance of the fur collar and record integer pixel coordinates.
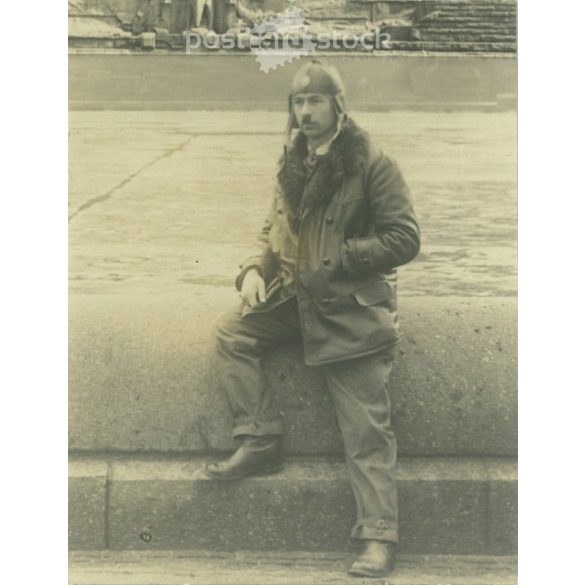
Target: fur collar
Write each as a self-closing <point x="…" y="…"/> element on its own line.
<point x="346" y="157"/>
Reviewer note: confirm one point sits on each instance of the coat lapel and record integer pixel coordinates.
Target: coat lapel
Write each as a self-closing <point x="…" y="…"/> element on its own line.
<point x="302" y="194"/>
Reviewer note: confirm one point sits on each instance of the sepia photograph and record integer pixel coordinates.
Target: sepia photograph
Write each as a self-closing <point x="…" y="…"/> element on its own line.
<point x="292" y="292"/>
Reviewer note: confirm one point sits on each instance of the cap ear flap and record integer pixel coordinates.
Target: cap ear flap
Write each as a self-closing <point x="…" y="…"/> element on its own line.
<point x="339" y="102"/>
<point x="293" y="118"/>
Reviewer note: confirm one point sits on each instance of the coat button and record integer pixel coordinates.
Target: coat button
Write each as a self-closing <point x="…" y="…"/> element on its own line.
<point x="381" y="524"/>
<point x="329" y="220"/>
<point x="326" y="261"/>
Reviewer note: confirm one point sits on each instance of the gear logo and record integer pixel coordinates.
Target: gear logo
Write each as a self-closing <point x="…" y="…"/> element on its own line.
<point x="287" y="38"/>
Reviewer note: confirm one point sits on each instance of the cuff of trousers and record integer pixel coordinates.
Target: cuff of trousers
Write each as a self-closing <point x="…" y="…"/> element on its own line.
<point x="258" y="428"/>
<point x="374" y="532"/>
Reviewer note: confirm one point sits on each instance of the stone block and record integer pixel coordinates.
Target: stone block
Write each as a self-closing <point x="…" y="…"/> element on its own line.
<point x="148" y="41"/>
<point x="143" y="378"/>
<point x="168" y="507"/>
<point x="87" y="505"/>
<point x="444" y="507"/>
<point x="503" y="510"/>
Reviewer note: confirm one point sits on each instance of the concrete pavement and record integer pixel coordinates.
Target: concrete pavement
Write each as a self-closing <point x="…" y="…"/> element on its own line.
<point x="203" y="568"/>
<point x="167" y="202"/>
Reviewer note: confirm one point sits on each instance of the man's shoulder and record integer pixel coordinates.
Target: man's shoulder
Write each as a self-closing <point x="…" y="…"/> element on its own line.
<point x="367" y="150"/>
<point x="379" y="161"/>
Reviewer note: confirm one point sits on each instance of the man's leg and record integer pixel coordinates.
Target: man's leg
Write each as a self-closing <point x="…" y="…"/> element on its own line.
<point x="360" y="392"/>
<point x="241" y="344"/>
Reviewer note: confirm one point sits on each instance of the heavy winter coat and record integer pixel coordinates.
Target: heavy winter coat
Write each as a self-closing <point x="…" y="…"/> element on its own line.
<point x="349" y="223"/>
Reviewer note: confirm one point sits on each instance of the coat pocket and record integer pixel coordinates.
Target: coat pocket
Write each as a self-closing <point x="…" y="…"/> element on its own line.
<point x="374" y="294"/>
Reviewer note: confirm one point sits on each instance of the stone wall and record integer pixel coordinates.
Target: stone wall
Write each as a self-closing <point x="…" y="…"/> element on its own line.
<point x="124" y="10"/>
<point x="440" y="25"/>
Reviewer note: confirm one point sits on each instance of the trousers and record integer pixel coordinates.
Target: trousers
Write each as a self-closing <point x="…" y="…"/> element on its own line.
<point x="359" y="389"/>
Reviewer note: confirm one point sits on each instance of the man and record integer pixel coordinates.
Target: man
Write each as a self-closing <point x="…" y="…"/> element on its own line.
<point x="325" y="273"/>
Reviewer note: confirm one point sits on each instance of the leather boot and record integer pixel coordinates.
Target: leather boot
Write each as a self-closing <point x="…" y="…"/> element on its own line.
<point x="377" y="559"/>
<point x="255" y="456"/>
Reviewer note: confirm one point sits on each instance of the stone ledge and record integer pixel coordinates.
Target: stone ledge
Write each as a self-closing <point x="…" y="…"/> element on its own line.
<point x="143" y="379"/>
<point x="132" y="44"/>
<point x="447" y="507"/>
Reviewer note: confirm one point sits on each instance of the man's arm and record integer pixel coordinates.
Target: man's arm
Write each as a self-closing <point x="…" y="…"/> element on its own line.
<point x="396" y="237"/>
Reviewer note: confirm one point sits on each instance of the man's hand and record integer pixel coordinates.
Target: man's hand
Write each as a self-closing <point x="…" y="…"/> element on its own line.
<point x="253" y="288"/>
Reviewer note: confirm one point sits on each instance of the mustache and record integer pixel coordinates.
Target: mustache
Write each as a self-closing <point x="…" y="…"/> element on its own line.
<point x="306" y="120"/>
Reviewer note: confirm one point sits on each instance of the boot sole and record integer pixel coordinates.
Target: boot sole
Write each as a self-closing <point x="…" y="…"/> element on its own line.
<point x="260" y="471"/>
<point x="371" y="574"/>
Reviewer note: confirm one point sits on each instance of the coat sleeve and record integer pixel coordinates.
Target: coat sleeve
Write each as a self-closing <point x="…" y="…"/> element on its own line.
<point x="395" y="238"/>
<point x="261" y="259"/>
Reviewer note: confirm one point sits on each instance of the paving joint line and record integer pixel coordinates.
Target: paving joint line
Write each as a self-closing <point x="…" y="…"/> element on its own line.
<point x="101" y="198"/>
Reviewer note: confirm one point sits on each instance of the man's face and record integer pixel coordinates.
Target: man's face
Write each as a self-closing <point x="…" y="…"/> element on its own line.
<point x="314" y="113"/>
